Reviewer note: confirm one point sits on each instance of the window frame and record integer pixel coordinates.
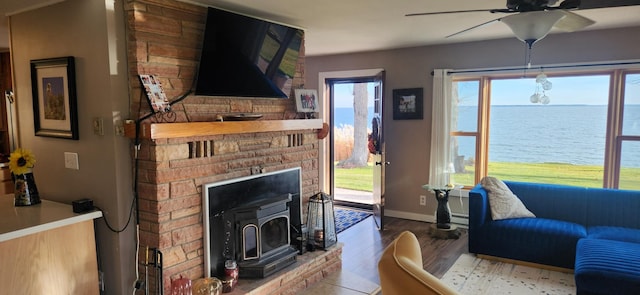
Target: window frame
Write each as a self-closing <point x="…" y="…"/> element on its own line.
<point x="615" y="112"/>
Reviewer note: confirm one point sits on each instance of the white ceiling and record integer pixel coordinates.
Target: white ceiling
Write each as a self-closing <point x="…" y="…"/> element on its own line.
<point x="337" y="26"/>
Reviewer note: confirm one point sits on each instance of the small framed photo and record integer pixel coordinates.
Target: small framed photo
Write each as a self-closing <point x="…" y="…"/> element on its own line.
<point x="306" y="100"/>
<point x="407" y="104"/>
<point x="158" y="100"/>
<point x="53" y="86"/>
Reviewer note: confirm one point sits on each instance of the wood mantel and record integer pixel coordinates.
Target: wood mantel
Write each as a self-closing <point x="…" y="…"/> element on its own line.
<point x="191" y="129"/>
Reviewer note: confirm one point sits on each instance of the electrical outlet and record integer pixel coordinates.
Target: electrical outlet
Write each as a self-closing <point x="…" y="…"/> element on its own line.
<point x="119" y="127"/>
<point x="423" y="200"/>
<point x="98" y="126"/>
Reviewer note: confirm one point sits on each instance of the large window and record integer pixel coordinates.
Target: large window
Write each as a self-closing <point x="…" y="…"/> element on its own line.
<point x="587" y="134"/>
<point x="629" y="140"/>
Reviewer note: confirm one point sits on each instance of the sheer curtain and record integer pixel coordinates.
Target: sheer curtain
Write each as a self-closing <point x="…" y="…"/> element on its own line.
<point x="440" y="128"/>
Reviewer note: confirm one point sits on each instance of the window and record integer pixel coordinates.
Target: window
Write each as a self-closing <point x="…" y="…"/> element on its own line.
<point x="464" y="127"/>
<point x="575" y="139"/>
<point x="629" y="175"/>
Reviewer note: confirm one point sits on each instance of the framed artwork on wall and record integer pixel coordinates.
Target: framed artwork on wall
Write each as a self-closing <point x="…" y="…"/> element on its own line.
<point x="53" y="86"/>
<point x="407" y="104"/>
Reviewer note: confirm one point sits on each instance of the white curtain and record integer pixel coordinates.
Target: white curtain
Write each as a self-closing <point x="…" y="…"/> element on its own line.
<point x="440" y="128"/>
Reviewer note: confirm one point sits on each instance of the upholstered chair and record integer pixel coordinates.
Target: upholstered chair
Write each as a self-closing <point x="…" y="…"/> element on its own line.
<point x="401" y="272"/>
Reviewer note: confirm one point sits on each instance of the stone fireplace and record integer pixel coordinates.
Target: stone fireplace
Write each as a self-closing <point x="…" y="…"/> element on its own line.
<point x="174" y="171"/>
<point x="165" y="38"/>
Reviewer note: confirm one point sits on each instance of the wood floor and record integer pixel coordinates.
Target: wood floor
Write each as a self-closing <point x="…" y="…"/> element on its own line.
<point x="364" y="244"/>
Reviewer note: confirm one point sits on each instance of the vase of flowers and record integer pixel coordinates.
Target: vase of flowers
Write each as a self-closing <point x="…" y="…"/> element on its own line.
<point x="21" y="162"/>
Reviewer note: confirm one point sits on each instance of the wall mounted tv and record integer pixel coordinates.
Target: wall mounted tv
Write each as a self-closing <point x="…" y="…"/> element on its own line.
<point x="247" y="57"/>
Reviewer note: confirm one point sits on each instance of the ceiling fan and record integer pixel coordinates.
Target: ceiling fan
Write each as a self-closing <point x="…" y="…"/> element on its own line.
<point x="531" y="20"/>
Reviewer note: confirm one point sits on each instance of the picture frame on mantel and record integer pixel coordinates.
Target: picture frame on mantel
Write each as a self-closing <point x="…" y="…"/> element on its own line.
<point x="53" y="86"/>
<point x="408" y="104"/>
<point x="306" y="100"/>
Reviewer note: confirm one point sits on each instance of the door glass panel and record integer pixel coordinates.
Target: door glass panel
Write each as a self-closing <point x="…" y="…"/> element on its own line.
<point x="353" y="112"/>
<point x="630" y="165"/>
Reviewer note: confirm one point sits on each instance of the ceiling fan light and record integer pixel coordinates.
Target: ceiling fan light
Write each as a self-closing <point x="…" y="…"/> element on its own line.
<point x="535" y="98"/>
<point x="545" y="100"/>
<point x="532" y="26"/>
<point x="540" y="78"/>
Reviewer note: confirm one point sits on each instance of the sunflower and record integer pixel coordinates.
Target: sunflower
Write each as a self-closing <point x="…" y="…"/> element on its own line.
<point x="20" y="161"/>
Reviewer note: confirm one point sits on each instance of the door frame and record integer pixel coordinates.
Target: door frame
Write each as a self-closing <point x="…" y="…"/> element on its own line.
<point x="325" y="108"/>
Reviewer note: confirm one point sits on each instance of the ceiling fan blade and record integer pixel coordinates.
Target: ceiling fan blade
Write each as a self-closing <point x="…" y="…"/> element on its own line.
<point x="573" y="22"/>
<point x="593" y="4"/>
<point x="447" y="12"/>
<point x="475" y="27"/>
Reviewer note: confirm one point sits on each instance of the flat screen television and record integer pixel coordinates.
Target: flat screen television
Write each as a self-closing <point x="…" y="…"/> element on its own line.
<point x="247" y="57"/>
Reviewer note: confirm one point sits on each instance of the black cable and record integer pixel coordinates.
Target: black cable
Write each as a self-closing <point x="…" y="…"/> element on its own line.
<point x="177" y="100"/>
<point x="109" y="225"/>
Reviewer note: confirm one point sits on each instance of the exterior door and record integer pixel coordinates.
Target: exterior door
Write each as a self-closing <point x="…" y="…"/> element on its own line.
<point x="377" y="147"/>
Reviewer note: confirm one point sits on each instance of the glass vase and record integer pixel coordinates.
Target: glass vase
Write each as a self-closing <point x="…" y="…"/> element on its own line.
<point x="26" y="191"/>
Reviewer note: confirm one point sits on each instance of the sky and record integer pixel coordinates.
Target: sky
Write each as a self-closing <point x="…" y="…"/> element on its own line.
<point x="343" y="93"/>
<point x="585" y="90"/>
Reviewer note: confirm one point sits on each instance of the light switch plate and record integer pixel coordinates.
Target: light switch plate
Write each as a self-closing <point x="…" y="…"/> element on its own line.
<point x="71" y="161"/>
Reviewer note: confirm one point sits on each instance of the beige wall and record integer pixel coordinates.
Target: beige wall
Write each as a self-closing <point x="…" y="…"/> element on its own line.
<point x="79" y="28"/>
<point x="408" y="141"/>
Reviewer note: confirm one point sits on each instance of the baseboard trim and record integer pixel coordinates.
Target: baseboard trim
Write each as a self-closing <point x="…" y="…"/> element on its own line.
<point x="526" y="263"/>
<point x="459" y="221"/>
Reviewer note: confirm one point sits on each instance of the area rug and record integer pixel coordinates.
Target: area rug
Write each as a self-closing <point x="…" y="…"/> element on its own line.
<point x="346" y="218"/>
<point x="472" y="275"/>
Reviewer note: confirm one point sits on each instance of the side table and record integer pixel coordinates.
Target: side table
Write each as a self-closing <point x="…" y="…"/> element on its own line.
<point x="443" y="228"/>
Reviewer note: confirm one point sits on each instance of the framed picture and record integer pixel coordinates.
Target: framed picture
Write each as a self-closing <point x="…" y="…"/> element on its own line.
<point x="306" y="100"/>
<point x="53" y="86"/>
<point x="155" y="93"/>
<point x="407" y="104"/>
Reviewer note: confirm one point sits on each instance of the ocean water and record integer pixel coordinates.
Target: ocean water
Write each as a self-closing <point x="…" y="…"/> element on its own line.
<point x="573" y="134"/>
<point x="344" y="116"/>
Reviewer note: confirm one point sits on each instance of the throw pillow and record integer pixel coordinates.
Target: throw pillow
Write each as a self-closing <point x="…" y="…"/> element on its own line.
<point x="503" y="203"/>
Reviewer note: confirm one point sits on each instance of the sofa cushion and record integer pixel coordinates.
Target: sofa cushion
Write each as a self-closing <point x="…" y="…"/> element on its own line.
<point x="503" y="203"/>
<point x="616" y="233"/>
<point x="539" y="240"/>
<point x="607" y="267"/>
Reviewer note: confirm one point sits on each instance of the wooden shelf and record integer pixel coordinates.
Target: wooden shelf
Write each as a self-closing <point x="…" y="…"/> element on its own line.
<point x="191" y="129"/>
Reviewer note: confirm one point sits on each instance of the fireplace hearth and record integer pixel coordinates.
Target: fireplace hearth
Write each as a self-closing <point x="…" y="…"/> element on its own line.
<point x="251" y="220"/>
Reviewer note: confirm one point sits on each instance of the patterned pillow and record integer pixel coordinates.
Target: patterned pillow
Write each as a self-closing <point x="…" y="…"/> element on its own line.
<point x="503" y="203"/>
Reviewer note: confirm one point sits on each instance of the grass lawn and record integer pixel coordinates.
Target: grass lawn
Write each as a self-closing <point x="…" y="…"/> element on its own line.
<point x="558" y="173"/>
<point x="359" y="179"/>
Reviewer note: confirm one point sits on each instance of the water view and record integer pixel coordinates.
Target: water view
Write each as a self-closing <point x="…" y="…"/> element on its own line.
<point x="572" y="134"/>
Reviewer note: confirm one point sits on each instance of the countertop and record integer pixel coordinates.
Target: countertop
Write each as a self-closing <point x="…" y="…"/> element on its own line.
<point x="17" y="222"/>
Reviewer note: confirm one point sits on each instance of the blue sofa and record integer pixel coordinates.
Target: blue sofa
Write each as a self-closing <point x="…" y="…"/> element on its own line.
<point x="566" y="215"/>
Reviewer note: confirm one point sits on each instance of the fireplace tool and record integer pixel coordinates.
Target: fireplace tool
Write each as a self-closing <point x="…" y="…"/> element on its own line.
<point x="154" y="263"/>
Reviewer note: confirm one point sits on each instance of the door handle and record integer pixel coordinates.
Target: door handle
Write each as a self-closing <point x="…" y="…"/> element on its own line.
<point x="385" y="163"/>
